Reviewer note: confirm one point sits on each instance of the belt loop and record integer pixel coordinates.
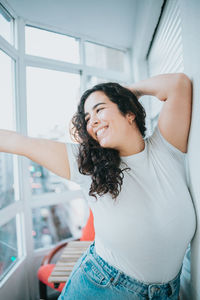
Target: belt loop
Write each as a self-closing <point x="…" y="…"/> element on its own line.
<point x="172" y="289"/>
<point x="115" y="280"/>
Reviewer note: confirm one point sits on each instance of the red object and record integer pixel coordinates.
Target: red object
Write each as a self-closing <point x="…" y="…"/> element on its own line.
<point x="43" y="274"/>
<point x="88" y="234"/>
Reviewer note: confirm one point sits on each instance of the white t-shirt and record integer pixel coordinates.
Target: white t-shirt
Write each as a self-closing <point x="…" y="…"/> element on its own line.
<point x="146" y="231"/>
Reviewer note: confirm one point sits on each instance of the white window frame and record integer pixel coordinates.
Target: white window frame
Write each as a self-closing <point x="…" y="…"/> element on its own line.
<point x="15" y="209"/>
<point x="23" y="207"/>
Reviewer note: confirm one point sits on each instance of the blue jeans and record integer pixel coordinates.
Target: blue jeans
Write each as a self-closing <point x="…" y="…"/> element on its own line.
<point x="93" y="278"/>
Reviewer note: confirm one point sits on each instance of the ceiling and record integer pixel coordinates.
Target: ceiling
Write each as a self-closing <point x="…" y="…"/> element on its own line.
<point x="112" y="22"/>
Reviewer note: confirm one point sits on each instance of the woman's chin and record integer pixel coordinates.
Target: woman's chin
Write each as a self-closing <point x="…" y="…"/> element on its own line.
<point x="105" y="144"/>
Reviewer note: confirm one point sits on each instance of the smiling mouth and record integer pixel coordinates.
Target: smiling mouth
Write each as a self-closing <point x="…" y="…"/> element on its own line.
<point x="101" y="131"/>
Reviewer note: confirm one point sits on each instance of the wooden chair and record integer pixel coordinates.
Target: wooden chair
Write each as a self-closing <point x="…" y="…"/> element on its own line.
<point x="47" y="267"/>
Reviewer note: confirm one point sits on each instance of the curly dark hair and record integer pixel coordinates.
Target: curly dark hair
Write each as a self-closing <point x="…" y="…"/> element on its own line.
<point x="103" y="164"/>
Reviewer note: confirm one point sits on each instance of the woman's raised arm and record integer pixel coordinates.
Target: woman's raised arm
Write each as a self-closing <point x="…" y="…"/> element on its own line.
<point x="175" y="117"/>
<point x="50" y="154"/>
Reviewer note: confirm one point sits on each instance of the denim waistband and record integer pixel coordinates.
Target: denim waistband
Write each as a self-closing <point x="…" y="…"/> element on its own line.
<point x="118" y="277"/>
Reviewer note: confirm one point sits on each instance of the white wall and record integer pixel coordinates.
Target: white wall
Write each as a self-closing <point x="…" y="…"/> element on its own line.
<point x="17" y="285"/>
<point x="190" y="11"/>
<point x="146" y="20"/>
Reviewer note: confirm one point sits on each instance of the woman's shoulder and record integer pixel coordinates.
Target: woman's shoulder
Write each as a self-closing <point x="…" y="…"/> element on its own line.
<point x="157" y="142"/>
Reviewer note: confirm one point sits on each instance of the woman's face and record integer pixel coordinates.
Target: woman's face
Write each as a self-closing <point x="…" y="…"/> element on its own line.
<point x="105" y="123"/>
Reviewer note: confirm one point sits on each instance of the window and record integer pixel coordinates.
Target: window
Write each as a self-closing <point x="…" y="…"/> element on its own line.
<point x="6" y="25"/>
<point x="6" y="91"/>
<point x="52" y="98"/>
<point x="52" y="45"/>
<point x="104" y="57"/>
<point x="93" y="80"/>
<point x="169" y="57"/>
<point x="54" y="223"/>
<point x="8" y="247"/>
<point x="7" y="193"/>
<point x="41" y="101"/>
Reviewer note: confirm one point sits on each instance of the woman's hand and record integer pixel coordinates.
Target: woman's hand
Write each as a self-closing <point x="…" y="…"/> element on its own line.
<point x="160" y="86"/>
<point x="133" y="88"/>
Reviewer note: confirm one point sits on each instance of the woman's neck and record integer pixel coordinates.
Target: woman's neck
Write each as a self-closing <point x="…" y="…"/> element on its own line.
<point x="132" y="144"/>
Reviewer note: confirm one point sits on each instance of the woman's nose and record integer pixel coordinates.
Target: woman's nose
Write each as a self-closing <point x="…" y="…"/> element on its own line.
<point x="94" y="121"/>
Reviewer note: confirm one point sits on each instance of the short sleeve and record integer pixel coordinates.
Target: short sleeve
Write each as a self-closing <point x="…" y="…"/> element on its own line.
<point x="83" y="180"/>
<point x="159" y="142"/>
<point x="72" y="151"/>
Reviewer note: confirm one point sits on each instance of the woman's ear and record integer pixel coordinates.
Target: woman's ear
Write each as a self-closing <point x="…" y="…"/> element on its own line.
<point x="130" y="117"/>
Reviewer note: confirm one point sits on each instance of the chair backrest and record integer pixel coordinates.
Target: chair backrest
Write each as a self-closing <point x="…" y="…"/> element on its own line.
<point x="88" y="233"/>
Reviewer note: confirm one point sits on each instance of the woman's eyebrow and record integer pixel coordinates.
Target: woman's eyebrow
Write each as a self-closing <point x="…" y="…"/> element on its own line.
<point x="95" y="107"/>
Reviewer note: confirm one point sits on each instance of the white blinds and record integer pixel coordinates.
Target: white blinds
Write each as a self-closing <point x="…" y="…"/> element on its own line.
<point x="166" y="52"/>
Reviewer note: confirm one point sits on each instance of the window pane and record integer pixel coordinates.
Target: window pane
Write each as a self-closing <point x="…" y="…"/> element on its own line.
<point x="44" y="181"/>
<point x="8" y="247"/>
<point x="7" y="194"/>
<point x="6" y="25"/>
<point x="6" y="91"/>
<point x="52" y="98"/>
<point x="93" y="80"/>
<point x="52" y="224"/>
<point x="51" y="45"/>
<point x="6" y="122"/>
<point x="104" y="57"/>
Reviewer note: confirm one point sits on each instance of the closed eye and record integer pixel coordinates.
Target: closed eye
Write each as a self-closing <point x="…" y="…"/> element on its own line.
<point x="98" y="109"/>
<point x="86" y="120"/>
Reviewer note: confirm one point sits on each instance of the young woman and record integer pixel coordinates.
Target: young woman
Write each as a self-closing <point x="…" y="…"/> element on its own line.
<point x="136" y="187"/>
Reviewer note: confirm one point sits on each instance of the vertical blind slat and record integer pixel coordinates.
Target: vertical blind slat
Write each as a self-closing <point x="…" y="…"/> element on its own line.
<point x="166" y="54"/>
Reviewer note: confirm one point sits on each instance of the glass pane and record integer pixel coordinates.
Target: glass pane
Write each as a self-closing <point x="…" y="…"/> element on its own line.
<point x="44" y="181"/>
<point x="7" y="192"/>
<point x="104" y="57"/>
<point x="52" y="98"/>
<point x="8" y="247"/>
<point x="6" y="91"/>
<point x="93" y="80"/>
<point x="6" y="25"/>
<point x="6" y="122"/>
<point x="51" y="45"/>
<point x="52" y="224"/>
